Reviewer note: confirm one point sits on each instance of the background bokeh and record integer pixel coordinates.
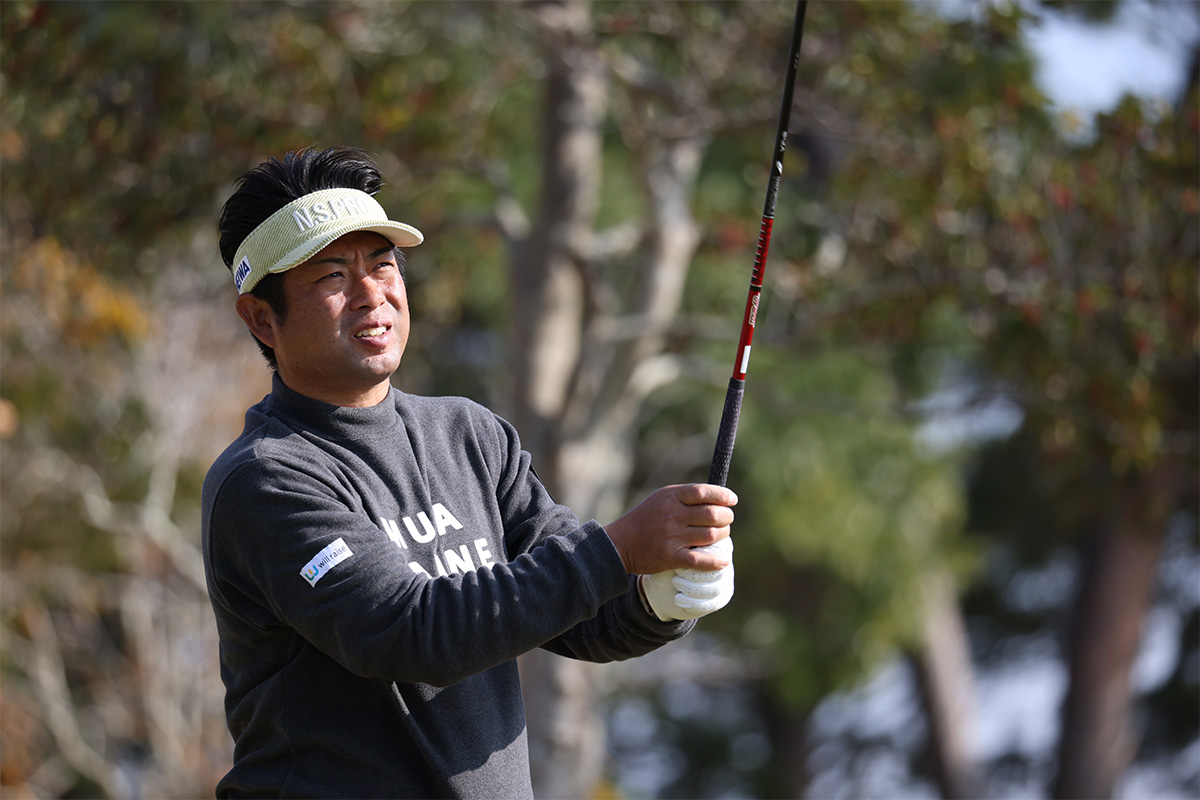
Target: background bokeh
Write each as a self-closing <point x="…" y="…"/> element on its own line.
<point x="967" y="534"/>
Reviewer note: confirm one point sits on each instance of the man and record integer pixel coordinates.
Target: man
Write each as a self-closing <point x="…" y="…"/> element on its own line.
<point x="377" y="560"/>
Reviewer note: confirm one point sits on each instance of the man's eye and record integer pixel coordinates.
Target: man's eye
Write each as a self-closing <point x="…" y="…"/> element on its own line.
<point x="333" y="275"/>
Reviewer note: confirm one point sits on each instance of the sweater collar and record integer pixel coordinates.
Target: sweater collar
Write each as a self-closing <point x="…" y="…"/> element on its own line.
<point x="330" y="420"/>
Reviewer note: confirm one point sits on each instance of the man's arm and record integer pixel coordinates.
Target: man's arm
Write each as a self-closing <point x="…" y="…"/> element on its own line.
<point x="369" y="611"/>
<point x="654" y="537"/>
<point x="650" y="614"/>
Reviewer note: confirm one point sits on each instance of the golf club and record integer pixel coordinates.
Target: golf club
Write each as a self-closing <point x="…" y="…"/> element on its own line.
<point x="723" y="453"/>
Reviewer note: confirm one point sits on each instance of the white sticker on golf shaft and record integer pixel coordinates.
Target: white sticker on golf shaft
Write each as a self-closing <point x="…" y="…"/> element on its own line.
<point x="745" y="359"/>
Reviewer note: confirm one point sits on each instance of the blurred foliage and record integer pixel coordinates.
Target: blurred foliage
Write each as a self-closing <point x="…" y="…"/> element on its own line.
<point x="1074" y="265"/>
<point x="936" y="234"/>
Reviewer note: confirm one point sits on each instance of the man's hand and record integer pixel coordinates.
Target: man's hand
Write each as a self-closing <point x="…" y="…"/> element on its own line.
<point x="691" y="593"/>
<point x="660" y="533"/>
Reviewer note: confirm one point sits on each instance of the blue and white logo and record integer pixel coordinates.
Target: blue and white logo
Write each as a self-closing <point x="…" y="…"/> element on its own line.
<point x="327" y="559"/>
<point x="243" y="270"/>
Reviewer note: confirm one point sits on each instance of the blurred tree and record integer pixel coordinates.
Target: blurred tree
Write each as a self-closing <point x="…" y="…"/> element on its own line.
<point x="936" y="237"/>
<point x="121" y="127"/>
<point x="1073" y="268"/>
<point x="967" y="243"/>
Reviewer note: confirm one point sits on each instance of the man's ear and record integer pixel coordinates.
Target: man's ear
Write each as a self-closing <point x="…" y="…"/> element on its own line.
<point x="259" y="318"/>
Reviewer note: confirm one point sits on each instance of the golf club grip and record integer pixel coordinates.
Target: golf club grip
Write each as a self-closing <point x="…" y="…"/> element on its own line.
<point x="718" y="471"/>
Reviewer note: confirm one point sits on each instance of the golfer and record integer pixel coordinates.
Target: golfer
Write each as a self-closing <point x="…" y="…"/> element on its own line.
<point x="377" y="560"/>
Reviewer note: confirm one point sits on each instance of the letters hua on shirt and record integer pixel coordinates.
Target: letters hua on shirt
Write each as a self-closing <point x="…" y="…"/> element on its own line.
<point x="449" y="556"/>
<point x="426" y="530"/>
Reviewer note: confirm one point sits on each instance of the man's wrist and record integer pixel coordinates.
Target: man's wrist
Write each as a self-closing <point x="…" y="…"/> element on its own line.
<point x="642" y="596"/>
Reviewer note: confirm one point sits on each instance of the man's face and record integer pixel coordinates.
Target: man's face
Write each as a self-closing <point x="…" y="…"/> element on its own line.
<point x="347" y="322"/>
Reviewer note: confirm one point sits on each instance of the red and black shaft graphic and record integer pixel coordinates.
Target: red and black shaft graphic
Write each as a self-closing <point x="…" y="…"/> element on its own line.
<point x="723" y="453"/>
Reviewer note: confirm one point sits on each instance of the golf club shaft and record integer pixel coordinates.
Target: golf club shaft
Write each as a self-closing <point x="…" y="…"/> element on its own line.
<point x="723" y="453"/>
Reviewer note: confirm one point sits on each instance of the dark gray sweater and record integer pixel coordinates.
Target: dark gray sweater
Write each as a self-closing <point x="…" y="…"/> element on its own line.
<point x="374" y="574"/>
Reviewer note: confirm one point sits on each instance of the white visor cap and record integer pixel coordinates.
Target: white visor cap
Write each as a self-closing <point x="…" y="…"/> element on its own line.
<point x="306" y="226"/>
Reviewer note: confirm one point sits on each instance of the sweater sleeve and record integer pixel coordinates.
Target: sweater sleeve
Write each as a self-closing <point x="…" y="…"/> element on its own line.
<point x="273" y="521"/>
<point x="622" y="628"/>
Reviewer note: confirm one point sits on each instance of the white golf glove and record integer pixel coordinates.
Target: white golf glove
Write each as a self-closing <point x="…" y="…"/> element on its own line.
<point x="680" y="594"/>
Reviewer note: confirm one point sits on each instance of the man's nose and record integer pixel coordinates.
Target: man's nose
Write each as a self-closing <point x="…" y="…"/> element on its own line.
<point x="368" y="292"/>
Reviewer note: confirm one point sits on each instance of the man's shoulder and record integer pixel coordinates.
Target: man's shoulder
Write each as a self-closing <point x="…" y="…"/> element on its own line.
<point x="452" y="422"/>
<point x="444" y="408"/>
<point x="446" y="404"/>
<point x="264" y="441"/>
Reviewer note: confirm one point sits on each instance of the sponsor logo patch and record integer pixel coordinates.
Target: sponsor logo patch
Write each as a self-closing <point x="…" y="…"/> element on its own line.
<point x="327" y="559"/>
<point x="243" y="270"/>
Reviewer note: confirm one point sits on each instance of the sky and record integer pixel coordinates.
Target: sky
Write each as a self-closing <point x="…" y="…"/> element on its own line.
<point x="1086" y="67"/>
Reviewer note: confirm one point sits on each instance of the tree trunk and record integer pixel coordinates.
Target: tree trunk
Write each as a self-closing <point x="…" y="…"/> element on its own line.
<point x="1119" y="570"/>
<point x="1120" y="563"/>
<point x="946" y="680"/>
<point x="566" y="738"/>
<point x="546" y="287"/>
<point x="581" y="373"/>
<point x="787" y="728"/>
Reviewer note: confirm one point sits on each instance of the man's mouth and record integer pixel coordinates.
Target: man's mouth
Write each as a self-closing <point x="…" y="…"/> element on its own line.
<point x="378" y="330"/>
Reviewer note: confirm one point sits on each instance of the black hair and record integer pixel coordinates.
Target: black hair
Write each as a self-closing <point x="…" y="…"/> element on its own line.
<point x="272" y="185"/>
